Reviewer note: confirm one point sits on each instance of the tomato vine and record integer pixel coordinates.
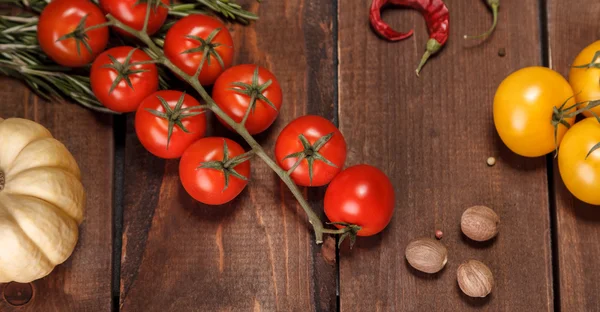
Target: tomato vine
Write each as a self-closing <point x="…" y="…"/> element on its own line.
<point x="239" y="127"/>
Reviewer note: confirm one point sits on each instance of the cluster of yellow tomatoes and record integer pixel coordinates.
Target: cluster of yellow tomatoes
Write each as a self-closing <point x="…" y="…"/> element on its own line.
<point x="535" y="113"/>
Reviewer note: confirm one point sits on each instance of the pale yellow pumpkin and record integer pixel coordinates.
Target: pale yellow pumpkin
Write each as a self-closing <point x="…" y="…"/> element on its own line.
<point x="41" y="201"/>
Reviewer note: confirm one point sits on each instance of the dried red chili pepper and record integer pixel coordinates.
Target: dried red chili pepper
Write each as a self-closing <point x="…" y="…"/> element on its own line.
<point x="494" y="5"/>
<point x="435" y="13"/>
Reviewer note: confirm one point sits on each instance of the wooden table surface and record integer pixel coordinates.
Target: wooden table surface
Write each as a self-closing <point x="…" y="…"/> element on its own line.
<point x="147" y="246"/>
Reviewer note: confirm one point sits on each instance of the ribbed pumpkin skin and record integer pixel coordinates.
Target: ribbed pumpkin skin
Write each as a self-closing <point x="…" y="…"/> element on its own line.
<point x="41" y="203"/>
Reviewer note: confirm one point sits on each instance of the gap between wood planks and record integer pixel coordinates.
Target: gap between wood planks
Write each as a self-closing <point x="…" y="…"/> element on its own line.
<point x="545" y="55"/>
<point x="336" y="121"/>
<point x="119" y="130"/>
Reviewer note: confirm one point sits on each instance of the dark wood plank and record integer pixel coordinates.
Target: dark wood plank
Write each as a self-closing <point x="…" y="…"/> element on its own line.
<point x="256" y="253"/>
<point x="432" y="135"/>
<point x="82" y="283"/>
<point x="571" y="27"/>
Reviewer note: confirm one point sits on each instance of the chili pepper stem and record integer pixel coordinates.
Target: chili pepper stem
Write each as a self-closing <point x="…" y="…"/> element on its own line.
<point x="157" y="52"/>
<point x="424" y="59"/>
<point x="432" y="48"/>
<point x="494" y="5"/>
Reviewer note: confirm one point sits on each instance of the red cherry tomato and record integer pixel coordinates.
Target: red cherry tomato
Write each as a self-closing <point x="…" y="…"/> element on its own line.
<point x="63" y="17"/>
<point x="183" y="47"/>
<point x="324" y="147"/>
<point x="122" y="97"/>
<point x="132" y="14"/>
<point x="210" y="185"/>
<point x="361" y="195"/>
<point x="153" y="120"/>
<point x="235" y="102"/>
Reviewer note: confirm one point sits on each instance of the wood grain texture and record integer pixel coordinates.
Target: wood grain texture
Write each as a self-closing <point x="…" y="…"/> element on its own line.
<point x="571" y="27"/>
<point x="432" y="135"/>
<point x="256" y="253"/>
<point x="82" y="283"/>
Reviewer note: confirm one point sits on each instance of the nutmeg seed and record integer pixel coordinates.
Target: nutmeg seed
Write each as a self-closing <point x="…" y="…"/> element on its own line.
<point x="479" y="223"/>
<point x="475" y="279"/>
<point x="426" y="255"/>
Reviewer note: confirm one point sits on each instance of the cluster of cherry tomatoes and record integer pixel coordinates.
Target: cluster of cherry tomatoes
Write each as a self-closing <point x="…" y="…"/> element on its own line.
<point x="172" y="124"/>
<point x="535" y="112"/>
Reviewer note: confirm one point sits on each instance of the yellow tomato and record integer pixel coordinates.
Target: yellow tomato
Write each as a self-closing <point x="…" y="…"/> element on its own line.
<point x="586" y="81"/>
<point x="581" y="175"/>
<point x="523" y="110"/>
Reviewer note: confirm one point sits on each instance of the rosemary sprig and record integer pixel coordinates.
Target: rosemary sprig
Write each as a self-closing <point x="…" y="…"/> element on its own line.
<point x="18" y="31"/>
<point x="183" y="9"/>
<point x="226" y="8"/>
<point x="52" y="82"/>
<point x="230" y="10"/>
<point x="33" y="5"/>
<point x="22" y="58"/>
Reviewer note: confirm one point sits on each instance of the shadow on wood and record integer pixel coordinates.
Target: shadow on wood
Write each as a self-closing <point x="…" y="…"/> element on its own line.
<point x="474" y="302"/>
<point x="475" y="244"/>
<point x="210" y="213"/>
<point x="362" y="243"/>
<point x="423" y="275"/>
<point x="584" y="212"/>
<point x="513" y="160"/>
